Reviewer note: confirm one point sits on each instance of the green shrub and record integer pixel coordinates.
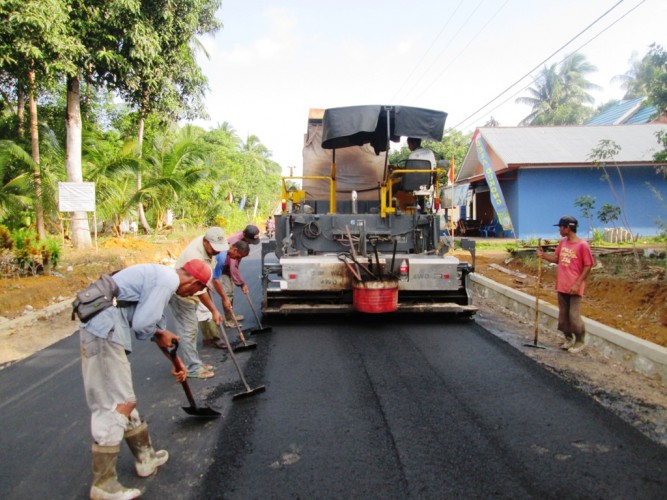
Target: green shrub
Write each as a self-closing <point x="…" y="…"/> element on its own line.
<point x="34" y="256"/>
<point x="6" y="241"/>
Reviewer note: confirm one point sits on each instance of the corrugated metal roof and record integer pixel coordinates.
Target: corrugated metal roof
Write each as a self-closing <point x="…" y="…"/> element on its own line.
<point x="521" y="146"/>
<point x="618" y="113"/>
<point x="643" y="115"/>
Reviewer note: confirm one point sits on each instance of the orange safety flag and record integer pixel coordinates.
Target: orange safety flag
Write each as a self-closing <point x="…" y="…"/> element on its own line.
<point x="451" y="171"/>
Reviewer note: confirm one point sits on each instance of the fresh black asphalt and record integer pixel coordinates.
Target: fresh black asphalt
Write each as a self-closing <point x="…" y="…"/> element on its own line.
<point x="355" y="407"/>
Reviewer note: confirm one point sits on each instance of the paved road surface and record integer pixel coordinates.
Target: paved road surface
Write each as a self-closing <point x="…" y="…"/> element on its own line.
<point x="355" y="407"/>
<point x="381" y="409"/>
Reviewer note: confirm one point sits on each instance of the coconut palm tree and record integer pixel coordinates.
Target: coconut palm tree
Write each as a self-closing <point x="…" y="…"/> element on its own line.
<point x="18" y="170"/>
<point x="545" y="95"/>
<point x="174" y="165"/>
<point x="560" y="95"/>
<point x="112" y="165"/>
<point x="14" y="189"/>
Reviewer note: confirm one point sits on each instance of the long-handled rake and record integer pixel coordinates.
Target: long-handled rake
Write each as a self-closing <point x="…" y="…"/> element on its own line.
<point x="261" y="329"/>
<point x="248" y="391"/>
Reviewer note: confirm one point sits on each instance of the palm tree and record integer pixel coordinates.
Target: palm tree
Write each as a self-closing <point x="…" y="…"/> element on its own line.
<point x="174" y="166"/>
<point x="636" y="80"/>
<point x="255" y="147"/>
<point x="573" y="73"/>
<point x="14" y="189"/>
<point x="647" y="78"/>
<point x="112" y="166"/>
<point x="17" y="169"/>
<point x="545" y="95"/>
<point x="560" y="95"/>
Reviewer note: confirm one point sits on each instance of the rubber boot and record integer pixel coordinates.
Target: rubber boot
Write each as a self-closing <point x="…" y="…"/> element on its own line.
<point x="105" y="482"/>
<point x="147" y="459"/>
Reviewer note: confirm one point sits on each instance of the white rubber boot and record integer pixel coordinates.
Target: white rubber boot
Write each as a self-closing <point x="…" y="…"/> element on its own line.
<point x="105" y="482"/>
<point x="147" y="459"/>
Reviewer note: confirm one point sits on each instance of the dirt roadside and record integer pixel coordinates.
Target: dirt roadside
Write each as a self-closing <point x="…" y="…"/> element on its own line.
<point x="640" y="400"/>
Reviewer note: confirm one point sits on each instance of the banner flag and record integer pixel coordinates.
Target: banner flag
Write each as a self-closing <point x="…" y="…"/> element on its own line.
<point x="497" y="198"/>
<point x="451" y="172"/>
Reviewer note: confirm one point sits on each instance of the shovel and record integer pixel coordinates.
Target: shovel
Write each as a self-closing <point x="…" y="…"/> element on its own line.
<point x="355" y="272"/>
<point x="193" y="409"/>
<point x="248" y="391"/>
<point x="353" y="253"/>
<point x="537" y="301"/>
<point x="261" y="329"/>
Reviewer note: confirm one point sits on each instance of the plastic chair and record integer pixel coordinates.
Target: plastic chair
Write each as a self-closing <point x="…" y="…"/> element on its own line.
<point x="487" y="230"/>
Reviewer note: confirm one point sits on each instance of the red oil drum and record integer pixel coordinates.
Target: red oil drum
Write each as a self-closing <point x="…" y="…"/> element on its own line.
<point x="375" y="296"/>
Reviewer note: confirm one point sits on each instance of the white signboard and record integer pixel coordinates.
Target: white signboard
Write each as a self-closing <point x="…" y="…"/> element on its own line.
<point x="76" y="196"/>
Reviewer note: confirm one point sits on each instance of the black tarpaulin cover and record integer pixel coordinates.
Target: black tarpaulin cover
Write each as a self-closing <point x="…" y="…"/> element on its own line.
<point x="358" y="125"/>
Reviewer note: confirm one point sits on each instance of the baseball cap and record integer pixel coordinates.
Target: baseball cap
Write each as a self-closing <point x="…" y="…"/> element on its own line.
<point x="567" y="221"/>
<point x="198" y="269"/>
<point x="251" y="233"/>
<point x="216" y="237"/>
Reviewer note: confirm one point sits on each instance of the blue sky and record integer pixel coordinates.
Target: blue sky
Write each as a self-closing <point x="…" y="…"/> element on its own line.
<point x="274" y="60"/>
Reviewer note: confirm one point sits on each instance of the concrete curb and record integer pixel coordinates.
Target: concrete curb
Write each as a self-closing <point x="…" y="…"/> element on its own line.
<point x="639" y="354"/>
<point x="7" y="327"/>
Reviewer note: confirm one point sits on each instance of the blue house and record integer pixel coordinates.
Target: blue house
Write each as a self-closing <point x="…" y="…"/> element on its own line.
<point x="542" y="171"/>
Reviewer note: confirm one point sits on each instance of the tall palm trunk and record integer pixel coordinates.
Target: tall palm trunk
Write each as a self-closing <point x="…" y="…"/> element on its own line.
<point x="34" y="137"/>
<point x="80" y="228"/>
<point x="140" y="206"/>
<point x="20" y="110"/>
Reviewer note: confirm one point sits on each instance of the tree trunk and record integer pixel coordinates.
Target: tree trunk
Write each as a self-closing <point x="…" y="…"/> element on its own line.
<point x="34" y="137"/>
<point x="20" y="110"/>
<point x="140" y="206"/>
<point x="89" y="85"/>
<point x="79" y="225"/>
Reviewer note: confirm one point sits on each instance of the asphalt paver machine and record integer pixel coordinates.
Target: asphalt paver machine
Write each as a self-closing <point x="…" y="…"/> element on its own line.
<point x="358" y="234"/>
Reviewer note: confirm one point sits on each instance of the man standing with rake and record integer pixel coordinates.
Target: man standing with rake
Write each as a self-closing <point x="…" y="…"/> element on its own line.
<point x="575" y="260"/>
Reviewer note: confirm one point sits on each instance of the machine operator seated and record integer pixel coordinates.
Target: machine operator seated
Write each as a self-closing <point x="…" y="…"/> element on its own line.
<point x="414" y="188"/>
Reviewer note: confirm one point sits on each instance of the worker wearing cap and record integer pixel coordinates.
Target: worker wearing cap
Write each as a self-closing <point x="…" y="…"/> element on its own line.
<point x="184" y="309"/>
<point x="144" y="290"/>
<point x="210" y="332"/>
<point x="575" y="260"/>
<point x="231" y="275"/>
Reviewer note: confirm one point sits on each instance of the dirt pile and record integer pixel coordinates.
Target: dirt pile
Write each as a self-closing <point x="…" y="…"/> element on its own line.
<point x="78" y="268"/>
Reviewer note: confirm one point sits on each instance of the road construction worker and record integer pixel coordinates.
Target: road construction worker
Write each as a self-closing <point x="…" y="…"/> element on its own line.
<point x="184" y="309"/>
<point x="231" y="275"/>
<point x="144" y="291"/>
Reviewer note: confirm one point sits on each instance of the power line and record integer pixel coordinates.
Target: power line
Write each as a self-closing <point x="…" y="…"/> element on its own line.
<point x="495" y="14"/>
<point x="542" y="62"/>
<point x="559" y="62"/>
<point x="463" y="25"/>
<point x="427" y="51"/>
